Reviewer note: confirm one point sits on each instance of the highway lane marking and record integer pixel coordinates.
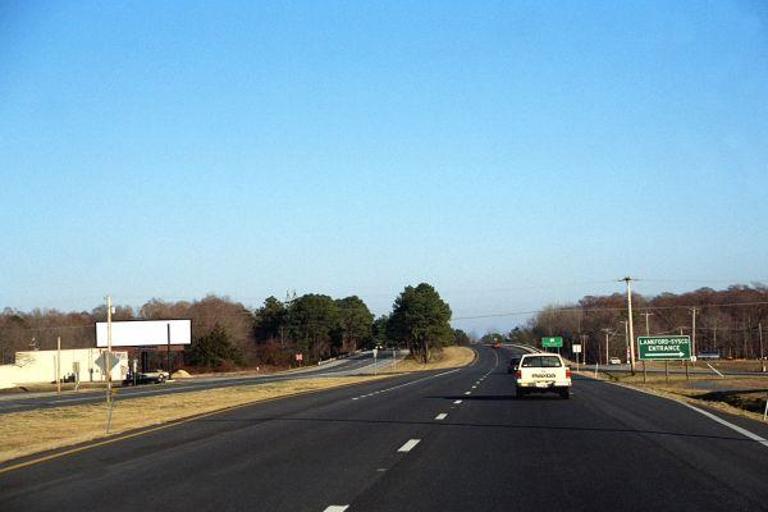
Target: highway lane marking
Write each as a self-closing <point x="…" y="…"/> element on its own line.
<point x="457" y="402"/>
<point x="467" y="392"/>
<point x="387" y="390"/>
<point x="441" y="416"/>
<point x="742" y="431"/>
<point x="409" y="445"/>
<point x="164" y="426"/>
<point x="336" y="508"/>
<point x="746" y="433"/>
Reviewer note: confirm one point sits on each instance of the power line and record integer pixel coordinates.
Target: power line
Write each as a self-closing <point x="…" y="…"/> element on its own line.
<point x="599" y="309"/>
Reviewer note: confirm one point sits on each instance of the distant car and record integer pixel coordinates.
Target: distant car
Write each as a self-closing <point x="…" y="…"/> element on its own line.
<point x="513" y="364"/>
<point x="153" y="377"/>
<point x="539" y="373"/>
<point x="614" y="360"/>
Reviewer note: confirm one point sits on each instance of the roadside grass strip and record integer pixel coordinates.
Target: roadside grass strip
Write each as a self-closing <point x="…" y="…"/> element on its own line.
<point x="25" y="433"/>
<point x="452" y="357"/>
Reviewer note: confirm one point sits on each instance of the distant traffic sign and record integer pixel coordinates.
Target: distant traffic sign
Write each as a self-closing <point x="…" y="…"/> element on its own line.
<point x="661" y="348"/>
<point x="552" y="342"/>
<point x="576" y="348"/>
<point x="107" y="358"/>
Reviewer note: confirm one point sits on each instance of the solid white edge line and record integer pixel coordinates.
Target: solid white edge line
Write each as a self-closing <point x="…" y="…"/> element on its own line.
<point x="409" y="445"/>
<point x="336" y="508"/>
<point x="742" y="431"/>
<point x="441" y="416"/>
<point x="746" y="433"/>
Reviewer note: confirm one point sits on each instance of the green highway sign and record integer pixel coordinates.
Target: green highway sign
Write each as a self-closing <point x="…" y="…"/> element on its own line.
<point x="664" y="348"/>
<point x="552" y="342"/>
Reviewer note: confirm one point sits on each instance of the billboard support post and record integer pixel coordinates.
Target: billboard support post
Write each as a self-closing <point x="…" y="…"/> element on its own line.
<point x="168" y="351"/>
<point x="109" y="350"/>
<point x="58" y="365"/>
<point x="108" y="362"/>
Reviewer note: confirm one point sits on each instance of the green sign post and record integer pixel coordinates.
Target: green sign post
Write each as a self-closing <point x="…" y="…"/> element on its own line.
<point x="552" y="342"/>
<point x="664" y="348"/>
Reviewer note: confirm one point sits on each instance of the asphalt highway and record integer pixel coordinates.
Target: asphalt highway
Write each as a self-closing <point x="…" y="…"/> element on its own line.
<point x="360" y="364"/>
<point x="445" y="441"/>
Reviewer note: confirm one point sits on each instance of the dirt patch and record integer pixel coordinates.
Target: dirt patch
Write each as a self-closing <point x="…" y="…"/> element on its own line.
<point x="29" y="432"/>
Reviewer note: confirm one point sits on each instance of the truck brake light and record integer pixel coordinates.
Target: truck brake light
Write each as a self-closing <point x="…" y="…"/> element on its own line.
<point x="567" y="373"/>
<point x="518" y="374"/>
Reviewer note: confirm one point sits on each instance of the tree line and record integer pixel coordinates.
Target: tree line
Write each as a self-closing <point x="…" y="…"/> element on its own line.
<point x="227" y="334"/>
<point x="728" y="322"/>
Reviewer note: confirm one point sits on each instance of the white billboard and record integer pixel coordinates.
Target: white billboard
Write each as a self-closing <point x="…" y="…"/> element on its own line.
<point x="141" y="333"/>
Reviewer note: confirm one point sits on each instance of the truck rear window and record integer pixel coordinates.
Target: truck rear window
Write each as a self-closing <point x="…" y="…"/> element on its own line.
<point x="541" y="362"/>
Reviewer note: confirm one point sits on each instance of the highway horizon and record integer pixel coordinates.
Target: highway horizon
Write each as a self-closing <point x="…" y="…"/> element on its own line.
<point x="441" y="441"/>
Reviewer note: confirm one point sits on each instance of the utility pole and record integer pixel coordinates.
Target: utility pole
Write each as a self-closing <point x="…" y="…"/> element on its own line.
<point x="628" y="280"/>
<point x="762" y="355"/>
<point x="693" y="334"/>
<point x="168" y="349"/>
<point x="626" y="339"/>
<point x="647" y="315"/>
<point x="647" y="324"/>
<point x="108" y="358"/>
<point x="607" y="355"/>
<point x="58" y="364"/>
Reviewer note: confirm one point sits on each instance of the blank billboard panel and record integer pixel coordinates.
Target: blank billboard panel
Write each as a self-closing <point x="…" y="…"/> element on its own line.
<point x="141" y="333"/>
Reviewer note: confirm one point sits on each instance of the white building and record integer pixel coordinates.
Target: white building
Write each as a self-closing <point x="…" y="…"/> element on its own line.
<point x="39" y="366"/>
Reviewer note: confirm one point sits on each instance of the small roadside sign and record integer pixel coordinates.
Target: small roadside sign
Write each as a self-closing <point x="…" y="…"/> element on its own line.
<point x="101" y="361"/>
<point x="576" y="349"/>
<point x="375" y="353"/>
<point x="299" y="357"/>
<point x="552" y="342"/>
<point x="664" y="348"/>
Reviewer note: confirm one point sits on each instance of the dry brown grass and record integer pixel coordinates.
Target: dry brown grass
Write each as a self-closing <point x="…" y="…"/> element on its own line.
<point x="29" y="432"/>
<point x="452" y="357"/>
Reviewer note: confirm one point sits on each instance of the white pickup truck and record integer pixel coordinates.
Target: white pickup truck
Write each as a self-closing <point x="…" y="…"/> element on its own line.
<point x="542" y="372"/>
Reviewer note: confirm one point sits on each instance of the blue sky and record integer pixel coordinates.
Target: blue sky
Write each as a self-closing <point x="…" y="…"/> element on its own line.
<point x="512" y="154"/>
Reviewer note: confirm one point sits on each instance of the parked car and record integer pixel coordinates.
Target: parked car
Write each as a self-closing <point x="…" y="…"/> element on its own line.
<point x="614" y="360"/>
<point x="539" y="373"/>
<point x="153" y="377"/>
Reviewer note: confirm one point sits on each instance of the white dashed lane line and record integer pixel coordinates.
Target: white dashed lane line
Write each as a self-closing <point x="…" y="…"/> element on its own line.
<point x="467" y="392"/>
<point x="387" y="390"/>
<point x="409" y="445"/>
<point x="336" y="508"/>
<point x="457" y="402"/>
<point x="441" y="416"/>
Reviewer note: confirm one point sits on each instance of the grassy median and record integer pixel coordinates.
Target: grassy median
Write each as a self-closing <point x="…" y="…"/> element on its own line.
<point x="29" y="432"/>
<point x="450" y="357"/>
